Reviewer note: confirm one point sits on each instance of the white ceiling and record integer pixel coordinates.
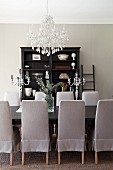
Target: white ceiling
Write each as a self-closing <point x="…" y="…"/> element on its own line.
<point x="63" y="11"/>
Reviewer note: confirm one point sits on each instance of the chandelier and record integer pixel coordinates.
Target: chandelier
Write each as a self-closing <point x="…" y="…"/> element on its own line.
<point x="48" y="41"/>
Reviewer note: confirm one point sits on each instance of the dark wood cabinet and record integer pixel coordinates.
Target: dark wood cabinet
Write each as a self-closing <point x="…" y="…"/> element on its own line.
<point x="48" y="67"/>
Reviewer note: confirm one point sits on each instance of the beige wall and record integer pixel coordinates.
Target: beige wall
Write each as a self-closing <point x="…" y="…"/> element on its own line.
<point x="96" y="42"/>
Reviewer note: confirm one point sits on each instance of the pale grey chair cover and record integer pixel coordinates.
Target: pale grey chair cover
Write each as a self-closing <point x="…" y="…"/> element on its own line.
<point x="67" y="95"/>
<point x="90" y="98"/>
<point x="71" y="126"/>
<point x="12" y="97"/>
<point x="8" y="138"/>
<point x="39" y="95"/>
<point x="103" y="135"/>
<point x="35" y="128"/>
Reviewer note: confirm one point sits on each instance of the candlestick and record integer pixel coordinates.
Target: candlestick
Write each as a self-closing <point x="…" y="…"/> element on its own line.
<point x="20" y="82"/>
<point x="76" y="81"/>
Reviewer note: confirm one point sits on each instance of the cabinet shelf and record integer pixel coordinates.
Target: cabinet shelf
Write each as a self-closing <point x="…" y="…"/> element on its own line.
<point x="36" y="69"/>
<point x="36" y="61"/>
<point x="28" y="97"/>
<point x="63" y="69"/>
<point x="62" y="61"/>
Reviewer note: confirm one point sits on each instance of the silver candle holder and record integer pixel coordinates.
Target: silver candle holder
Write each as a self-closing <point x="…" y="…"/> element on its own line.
<point x="20" y="82"/>
<point x="76" y="82"/>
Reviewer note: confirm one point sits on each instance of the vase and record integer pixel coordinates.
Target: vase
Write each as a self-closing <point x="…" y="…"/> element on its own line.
<point x="28" y="91"/>
<point x="50" y="102"/>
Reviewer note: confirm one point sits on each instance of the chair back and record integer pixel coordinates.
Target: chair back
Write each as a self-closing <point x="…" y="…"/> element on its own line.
<point x="35" y="128"/>
<point x="5" y="128"/>
<point x="12" y="97"/>
<point x="64" y="96"/>
<point x="90" y="98"/>
<point x="39" y="95"/>
<point x="71" y="126"/>
<point x="103" y="137"/>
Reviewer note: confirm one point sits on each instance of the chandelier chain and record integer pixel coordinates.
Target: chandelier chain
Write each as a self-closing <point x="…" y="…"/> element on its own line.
<point x="47" y="7"/>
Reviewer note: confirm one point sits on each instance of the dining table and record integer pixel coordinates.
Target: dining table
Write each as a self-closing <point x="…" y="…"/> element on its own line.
<point x="90" y="112"/>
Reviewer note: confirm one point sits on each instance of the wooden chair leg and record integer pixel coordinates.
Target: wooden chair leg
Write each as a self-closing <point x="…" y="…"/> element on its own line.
<point x="83" y="157"/>
<point x="56" y="147"/>
<point x="50" y="146"/>
<point x="20" y="129"/>
<point x="22" y="158"/>
<point x="96" y="157"/>
<point x="18" y="147"/>
<point x="47" y="158"/>
<point x="11" y="159"/>
<point x="59" y="158"/>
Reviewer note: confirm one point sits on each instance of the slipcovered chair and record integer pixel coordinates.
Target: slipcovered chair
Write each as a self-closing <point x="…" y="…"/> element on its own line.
<point x="14" y="101"/>
<point x="9" y="136"/>
<point x="103" y="134"/>
<point x="39" y="95"/>
<point x="12" y="97"/>
<point x="90" y="98"/>
<point x="71" y="127"/>
<point x="64" y="96"/>
<point x="35" y="128"/>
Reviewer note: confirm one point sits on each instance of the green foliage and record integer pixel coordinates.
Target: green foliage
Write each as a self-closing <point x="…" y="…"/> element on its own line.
<point x="47" y="88"/>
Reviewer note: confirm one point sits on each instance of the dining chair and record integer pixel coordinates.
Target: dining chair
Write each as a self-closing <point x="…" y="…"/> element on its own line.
<point x="35" y="128"/>
<point x="90" y="97"/>
<point x="67" y="95"/>
<point x="103" y="134"/>
<point x="71" y="127"/>
<point x="14" y="101"/>
<point x="39" y="95"/>
<point x="12" y="97"/>
<point x="9" y="135"/>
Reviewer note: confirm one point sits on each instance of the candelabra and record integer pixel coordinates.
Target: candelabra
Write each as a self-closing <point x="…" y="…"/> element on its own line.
<point x="76" y="82"/>
<point x="20" y="82"/>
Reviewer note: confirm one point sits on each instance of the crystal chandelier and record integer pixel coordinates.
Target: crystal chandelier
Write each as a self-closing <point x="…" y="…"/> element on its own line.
<point x="48" y="39"/>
